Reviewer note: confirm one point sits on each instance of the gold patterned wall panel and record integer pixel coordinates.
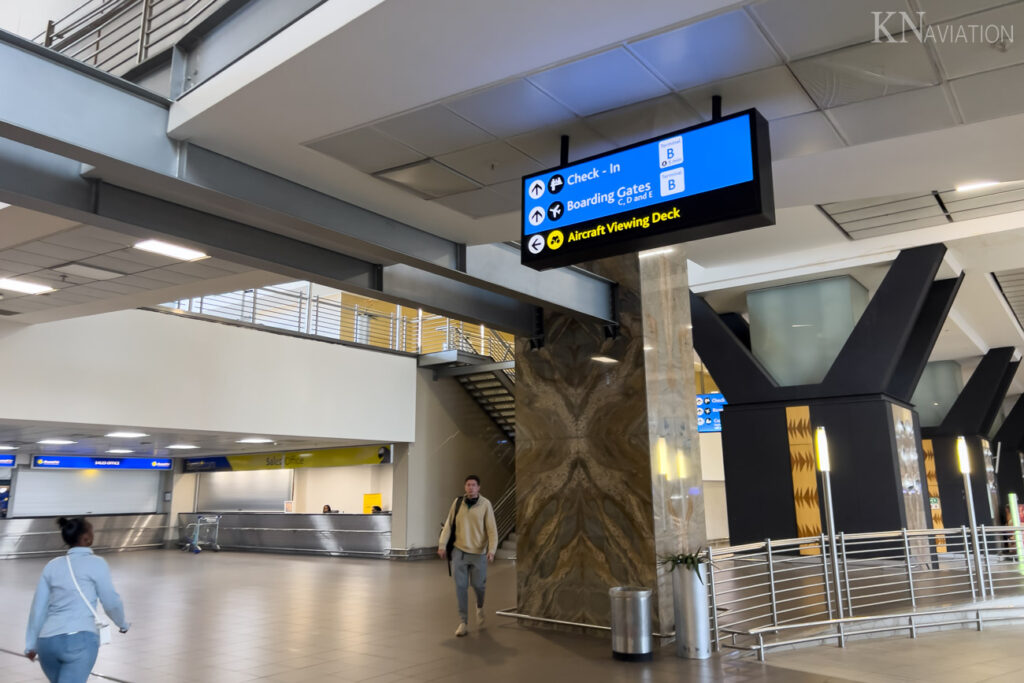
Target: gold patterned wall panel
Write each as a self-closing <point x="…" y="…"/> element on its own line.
<point x="805" y="474"/>
<point x="933" y="492"/>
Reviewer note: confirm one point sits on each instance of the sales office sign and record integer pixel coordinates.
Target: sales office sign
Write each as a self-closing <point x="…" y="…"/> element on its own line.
<point x="707" y="180"/>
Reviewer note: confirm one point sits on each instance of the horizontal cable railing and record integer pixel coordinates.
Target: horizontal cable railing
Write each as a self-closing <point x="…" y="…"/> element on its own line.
<point x="302" y="311"/>
<point x="116" y="35"/>
<point x="768" y="587"/>
<point x="505" y="511"/>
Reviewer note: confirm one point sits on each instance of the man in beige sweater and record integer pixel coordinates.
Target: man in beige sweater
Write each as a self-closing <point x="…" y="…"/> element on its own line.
<point x="471" y="519"/>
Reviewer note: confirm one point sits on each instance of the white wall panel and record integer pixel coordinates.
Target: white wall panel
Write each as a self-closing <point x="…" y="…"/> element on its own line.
<point x="38" y="493"/>
<point x="247" y="491"/>
<point x="145" y="369"/>
<point x="341" y="487"/>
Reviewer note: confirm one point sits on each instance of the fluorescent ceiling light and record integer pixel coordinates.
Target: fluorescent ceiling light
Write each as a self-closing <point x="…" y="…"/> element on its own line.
<point x="182" y="446"/>
<point x="802" y="325"/>
<point x="305" y="455"/>
<point x="255" y="439"/>
<point x="5" y="447"/>
<point x="24" y="287"/>
<point x="88" y="272"/>
<point x="56" y="442"/>
<point x="171" y="250"/>
<point x="603" y="359"/>
<point x="976" y="186"/>
<point x="126" y="435"/>
<point x="656" y="252"/>
<point x="120" y="450"/>
<point x="3" y="206"/>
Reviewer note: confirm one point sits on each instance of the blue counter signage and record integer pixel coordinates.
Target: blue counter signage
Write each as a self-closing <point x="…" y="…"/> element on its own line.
<point x="6" y="461"/>
<point x="708" y="180"/>
<point x="709" y="412"/>
<point x="81" y="462"/>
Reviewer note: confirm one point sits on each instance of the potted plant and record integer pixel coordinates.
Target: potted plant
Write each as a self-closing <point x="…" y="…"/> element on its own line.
<point x="690" y="603"/>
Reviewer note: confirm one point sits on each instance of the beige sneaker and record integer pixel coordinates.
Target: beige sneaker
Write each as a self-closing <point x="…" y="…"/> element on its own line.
<point x="481" y="617"/>
<point x="461" y="630"/>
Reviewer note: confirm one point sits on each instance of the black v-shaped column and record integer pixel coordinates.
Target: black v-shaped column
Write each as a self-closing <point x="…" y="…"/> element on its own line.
<point x="878" y="477"/>
<point x="1010" y="439"/>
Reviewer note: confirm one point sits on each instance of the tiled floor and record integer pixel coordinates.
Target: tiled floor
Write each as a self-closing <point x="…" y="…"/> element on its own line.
<point x="228" y="617"/>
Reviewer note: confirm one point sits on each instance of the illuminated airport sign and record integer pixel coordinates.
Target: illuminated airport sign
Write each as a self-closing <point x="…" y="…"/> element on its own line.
<point x="709" y="412"/>
<point x="79" y="462"/>
<point x="708" y="180"/>
<point x="6" y="461"/>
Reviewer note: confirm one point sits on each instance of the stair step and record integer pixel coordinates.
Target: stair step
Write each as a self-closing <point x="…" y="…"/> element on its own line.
<point x="505" y="554"/>
<point x="512" y="537"/>
<point x="508" y="545"/>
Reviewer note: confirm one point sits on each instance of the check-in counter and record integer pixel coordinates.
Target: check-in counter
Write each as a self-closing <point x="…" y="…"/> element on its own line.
<point x="321" y="533"/>
<point x="39" y="536"/>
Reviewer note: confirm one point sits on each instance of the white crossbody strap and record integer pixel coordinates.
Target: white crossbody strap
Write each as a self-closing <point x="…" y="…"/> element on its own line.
<point x="71" y="571"/>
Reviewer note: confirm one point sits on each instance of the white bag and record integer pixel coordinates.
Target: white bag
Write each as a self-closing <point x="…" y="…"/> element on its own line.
<point x="101" y="626"/>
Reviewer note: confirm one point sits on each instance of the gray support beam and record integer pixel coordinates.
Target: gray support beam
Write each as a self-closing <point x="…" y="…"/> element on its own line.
<point x="76" y="114"/>
<point x="460" y="370"/>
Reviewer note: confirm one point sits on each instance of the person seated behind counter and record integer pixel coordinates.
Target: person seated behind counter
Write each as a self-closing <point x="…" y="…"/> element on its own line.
<point x="376" y="509"/>
<point x="327" y="508"/>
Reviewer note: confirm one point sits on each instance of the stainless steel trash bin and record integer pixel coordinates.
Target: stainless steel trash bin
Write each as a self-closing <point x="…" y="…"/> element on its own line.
<point x="631" y="623"/>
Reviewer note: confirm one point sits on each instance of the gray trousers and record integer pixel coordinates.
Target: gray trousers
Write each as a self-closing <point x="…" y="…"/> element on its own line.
<point x="468" y="568"/>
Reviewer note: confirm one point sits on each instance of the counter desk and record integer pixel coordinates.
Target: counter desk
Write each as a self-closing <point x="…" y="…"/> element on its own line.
<point x="291" y="532"/>
<point x="39" y="536"/>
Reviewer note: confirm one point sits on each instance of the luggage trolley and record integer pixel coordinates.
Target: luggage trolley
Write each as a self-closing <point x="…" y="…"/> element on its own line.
<point x="202" y="532"/>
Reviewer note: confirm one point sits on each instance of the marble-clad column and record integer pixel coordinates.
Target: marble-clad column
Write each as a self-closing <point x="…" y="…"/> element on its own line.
<point x="607" y="460"/>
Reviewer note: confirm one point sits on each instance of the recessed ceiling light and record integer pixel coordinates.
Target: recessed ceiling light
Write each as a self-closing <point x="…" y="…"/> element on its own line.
<point x="656" y="252"/>
<point x="56" y="442"/>
<point x="120" y="450"/>
<point x="5" y="447"/>
<point x="126" y="435"/>
<point x="171" y="250"/>
<point x="89" y="272"/>
<point x="255" y="439"/>
<point x="976" y="186"/>
<point x="182" y="446"/>
<point x="24" y="287"/>
<point x="603" y="359"/>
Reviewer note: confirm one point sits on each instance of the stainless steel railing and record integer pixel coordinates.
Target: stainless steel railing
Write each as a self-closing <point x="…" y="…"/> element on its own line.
<point x="116" y="35"/>
<point x="778" y="585"/>
<point x="505" y="512"/>
<point x="319" y="312"/>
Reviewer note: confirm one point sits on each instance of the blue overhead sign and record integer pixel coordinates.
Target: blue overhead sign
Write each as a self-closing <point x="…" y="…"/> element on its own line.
<point x="703" y="181"/>
<point x="80" y="462"/>
<point x="6" y="461"/>
<point x="709" y="412"/>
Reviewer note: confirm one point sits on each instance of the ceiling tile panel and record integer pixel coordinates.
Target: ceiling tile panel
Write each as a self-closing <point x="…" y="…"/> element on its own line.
<point x="492" y="163"/>
<point x="990" y="95"/>
<point x="57" y="251"/>
<point x="898" y="227"/>
<point x="28" y="258"/>
<point x="801" y="28"/>
<point x="169" y="277"/>
<point x="693" y="55"/>
<point x="545" y="145"/>
<point x="774" y="92"/>
<point x="366" y="149"/>
<point x="429" y="179"/>
<point x="863" y="72"/>
<point x="982" y="44"/>
<point x="942" y="10"/>
<point x="9" y="268"/>
<point x="434" y="130"/>
<point x="510" y="109"/>
<point x="116" y="287"/>
<point x="643" y="120"/>
<point x="120" y="264"/>
<point x="479" y="203"/>
<point x="906" y="113"/>
<point x="808" y="133"/>
<point x="847" y="212"/>
<point x="604" y="81"/>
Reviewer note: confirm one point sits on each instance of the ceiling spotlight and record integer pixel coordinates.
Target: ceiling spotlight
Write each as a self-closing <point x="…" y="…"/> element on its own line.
<point x="23" y="287"/>
<point x="171" y="250"/>
<point x="56" y="442"/>
<point x="182" y="446"/>
<point x="119" y="450"/>
<point x="255" y="439"/>
<point x="976" y="186"/>
<point x="126" y="435"/>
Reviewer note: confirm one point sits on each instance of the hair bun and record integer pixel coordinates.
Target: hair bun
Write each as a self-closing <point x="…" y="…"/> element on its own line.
<point x="63" y="522"/>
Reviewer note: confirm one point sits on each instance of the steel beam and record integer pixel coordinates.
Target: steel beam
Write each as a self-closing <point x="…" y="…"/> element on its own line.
<point x="75" y="113"/>
<point x="52" y="184"/>
<point x="483" y="368"/>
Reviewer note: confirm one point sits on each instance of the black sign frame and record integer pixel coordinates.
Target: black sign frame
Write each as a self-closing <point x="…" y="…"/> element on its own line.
<point x="716" y="212"/>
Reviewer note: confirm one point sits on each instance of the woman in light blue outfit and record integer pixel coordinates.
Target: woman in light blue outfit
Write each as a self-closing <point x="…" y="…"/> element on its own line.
<point x="62" y="630"/>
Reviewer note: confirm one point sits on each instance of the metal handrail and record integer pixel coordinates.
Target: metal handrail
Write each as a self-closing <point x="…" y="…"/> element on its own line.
<point x="505" y="512"/>
<point x="775" y="585"/>
<point x="91" y="29"/>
